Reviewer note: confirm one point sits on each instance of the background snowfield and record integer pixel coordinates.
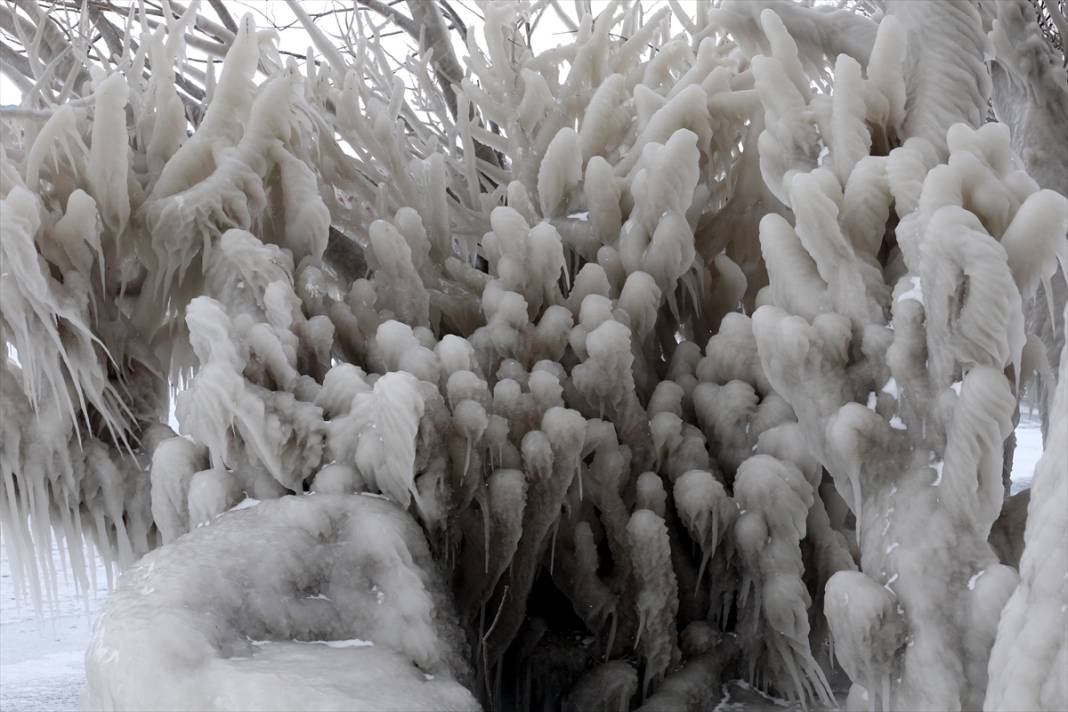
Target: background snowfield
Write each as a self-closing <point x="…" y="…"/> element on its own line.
<point x="1028" y="449"/>
<point x="42" y="658"/>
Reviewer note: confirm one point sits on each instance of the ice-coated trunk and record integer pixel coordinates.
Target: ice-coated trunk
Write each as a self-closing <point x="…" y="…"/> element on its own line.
<point x="945" y="77"/>
<point x="1027" y="662"/>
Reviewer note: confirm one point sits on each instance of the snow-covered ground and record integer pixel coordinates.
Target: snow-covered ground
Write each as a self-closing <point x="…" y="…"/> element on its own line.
<point x="42" y="663"/>
<point x="41" y="658"/>
<point x="1028" y="449"/>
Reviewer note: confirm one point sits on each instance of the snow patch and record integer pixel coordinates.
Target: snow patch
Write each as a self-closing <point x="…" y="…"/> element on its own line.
<point x="890" y="387"/>
<point x="1028" y="451"/>
<point x="937" y="466"/>
<point x="890" y="583"/>
<point x="914" y="292"/>
<point x="353" y="643"/>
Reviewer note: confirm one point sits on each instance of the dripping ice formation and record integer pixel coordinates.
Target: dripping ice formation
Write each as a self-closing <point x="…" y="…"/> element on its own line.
<point x="686" y="351"/>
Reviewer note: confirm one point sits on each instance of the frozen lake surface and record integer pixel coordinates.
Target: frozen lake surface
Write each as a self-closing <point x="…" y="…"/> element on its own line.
<point x="42" y="659"/>
<point x="42" y="663"/>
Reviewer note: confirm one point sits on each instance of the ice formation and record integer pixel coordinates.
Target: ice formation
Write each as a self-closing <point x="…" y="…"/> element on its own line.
<point x="1034" y="618"/>
<point x="688" y="349"/>
<point x="325" y="602"/>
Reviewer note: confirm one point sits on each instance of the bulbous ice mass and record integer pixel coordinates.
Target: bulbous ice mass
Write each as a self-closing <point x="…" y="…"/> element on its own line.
<point x="316" y="602"/>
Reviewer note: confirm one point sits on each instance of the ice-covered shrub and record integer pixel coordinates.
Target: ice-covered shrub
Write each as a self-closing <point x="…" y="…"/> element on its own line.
<point x="694" y="346"/>
<point x="908" y="395"/>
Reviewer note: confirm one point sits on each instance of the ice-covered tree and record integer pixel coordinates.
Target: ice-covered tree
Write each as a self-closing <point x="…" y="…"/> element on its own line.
<point x="687" y="349"/>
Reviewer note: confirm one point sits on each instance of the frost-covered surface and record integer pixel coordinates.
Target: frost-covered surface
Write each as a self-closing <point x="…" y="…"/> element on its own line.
<point x="317" y="602"/>
<point x="1028" y="450"/>
<point x="42" y="653"/>
<point x="687" y="350"/>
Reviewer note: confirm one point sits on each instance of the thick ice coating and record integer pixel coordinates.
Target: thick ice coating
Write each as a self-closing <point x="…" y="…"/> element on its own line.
<point x="305" y="602"/>
<point x="693" y="339"/>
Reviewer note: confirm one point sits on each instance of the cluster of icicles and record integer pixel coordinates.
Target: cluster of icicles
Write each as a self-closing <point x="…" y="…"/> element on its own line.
<point x="665" y="357"/>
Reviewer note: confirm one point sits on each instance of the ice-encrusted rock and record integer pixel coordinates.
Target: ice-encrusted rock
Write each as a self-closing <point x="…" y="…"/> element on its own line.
<point x="326" y="602"/>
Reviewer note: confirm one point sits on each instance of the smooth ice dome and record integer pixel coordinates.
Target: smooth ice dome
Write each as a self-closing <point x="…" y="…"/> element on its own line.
<point x="328" y="602"/>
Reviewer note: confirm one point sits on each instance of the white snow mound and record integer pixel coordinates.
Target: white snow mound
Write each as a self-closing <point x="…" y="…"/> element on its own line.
<point x="223" y="618"/>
